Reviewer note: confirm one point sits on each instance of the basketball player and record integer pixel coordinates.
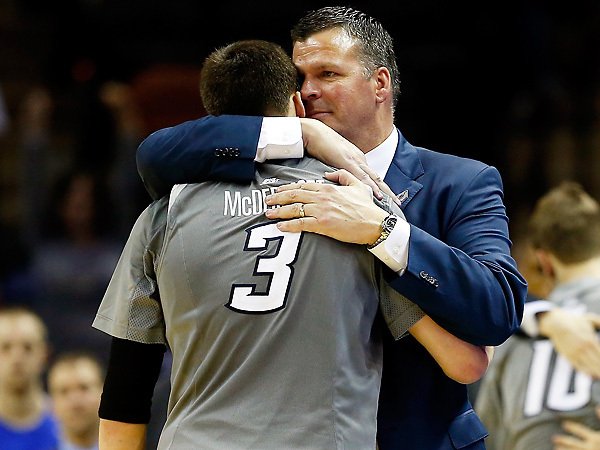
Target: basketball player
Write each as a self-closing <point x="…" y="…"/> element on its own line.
<point x="530" y="390"/>
<point x="268" y="352"/>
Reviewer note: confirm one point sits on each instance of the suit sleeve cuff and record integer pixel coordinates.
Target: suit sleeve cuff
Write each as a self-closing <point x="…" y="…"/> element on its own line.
<point x="529" y="325"/>
<point x="393" y="251"/>
<point x="280" y="137"/>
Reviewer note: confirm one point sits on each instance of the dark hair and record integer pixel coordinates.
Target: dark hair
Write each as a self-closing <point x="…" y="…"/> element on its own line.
<point x="566" y="222"/>
<point x="376" y="46"/>
<point x="253" y="78"/>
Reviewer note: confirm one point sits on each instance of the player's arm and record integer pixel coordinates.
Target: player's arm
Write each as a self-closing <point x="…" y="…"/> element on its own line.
<point x="461" y="361"/>
<point x="132" y="373"/>
<point x="121" y="436"/>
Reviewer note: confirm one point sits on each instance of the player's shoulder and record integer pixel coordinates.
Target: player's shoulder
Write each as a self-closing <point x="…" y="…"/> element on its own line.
<point x="152" y="219"/>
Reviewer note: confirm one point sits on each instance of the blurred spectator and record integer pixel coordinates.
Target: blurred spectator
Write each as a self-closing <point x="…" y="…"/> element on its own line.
<point x="40" y="160"/>
<point x="75" y="383"/>
<point x="530" y="387"/>
<point x="26" y="421"/>
<point x="122" y="179"/>
<point x="74" y="261"/>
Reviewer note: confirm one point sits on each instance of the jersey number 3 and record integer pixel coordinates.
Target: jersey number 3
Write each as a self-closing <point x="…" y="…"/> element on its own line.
<point x="278" y="266"/>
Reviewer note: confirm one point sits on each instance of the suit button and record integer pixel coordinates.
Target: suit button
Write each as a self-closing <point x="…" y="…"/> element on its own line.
<point x="428" y="278"/>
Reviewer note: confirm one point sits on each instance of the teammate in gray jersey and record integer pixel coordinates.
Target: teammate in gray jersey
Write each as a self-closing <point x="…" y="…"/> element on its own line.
<point x="530" y="390"/>
<point x="275" y="336"/>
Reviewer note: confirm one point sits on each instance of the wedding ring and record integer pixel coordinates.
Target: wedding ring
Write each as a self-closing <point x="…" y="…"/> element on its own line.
<point x="301" y="209"/>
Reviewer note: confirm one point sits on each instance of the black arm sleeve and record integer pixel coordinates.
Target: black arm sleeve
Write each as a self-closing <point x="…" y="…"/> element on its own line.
<point x="133" y="370"/>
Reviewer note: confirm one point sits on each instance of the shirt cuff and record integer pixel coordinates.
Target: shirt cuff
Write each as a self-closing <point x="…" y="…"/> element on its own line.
<point x="393" y="251"/>
<point x="280" y="137"/>
<point x="529" y="324"/>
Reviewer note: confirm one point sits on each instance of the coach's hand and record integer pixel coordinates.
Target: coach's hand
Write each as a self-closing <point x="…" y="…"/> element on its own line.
<point x="345" y="212"/>
<point x="325" y="144"/>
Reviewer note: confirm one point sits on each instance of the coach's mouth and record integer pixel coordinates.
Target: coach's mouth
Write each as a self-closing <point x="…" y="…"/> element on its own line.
<point x="317" y="114"/>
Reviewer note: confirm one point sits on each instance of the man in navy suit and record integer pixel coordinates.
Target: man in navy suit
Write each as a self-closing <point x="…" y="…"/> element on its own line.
<point x="452" y="254"/>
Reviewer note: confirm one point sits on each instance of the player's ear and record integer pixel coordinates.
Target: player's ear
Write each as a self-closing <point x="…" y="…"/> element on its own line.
<point x="545" y="263"/>
<point x="298" y="105"/>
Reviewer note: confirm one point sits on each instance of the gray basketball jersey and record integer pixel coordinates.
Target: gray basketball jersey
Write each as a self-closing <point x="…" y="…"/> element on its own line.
<point x="529" y="389"/>
<point x="274" y="338"/>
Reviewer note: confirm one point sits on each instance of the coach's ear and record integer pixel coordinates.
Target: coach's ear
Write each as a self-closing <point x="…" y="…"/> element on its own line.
<point x="298" y="105"/>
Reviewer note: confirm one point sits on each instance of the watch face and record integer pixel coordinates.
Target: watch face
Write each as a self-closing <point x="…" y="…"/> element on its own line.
<point x="389" y="223"/>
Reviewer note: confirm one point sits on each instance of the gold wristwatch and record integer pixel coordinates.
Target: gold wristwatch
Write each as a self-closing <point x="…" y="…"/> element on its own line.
<point x="387" y="225"/>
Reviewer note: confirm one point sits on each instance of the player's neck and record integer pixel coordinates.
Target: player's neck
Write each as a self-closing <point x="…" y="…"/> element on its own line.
<point x="566" y="273"/>
<point x="22" y="406"/>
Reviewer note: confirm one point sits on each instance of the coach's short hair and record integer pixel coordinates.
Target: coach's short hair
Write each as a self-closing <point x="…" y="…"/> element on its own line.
<point x="566" y="222"/>
<point x="251" y="77"/>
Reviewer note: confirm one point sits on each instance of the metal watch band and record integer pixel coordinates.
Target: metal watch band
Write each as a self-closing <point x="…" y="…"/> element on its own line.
<point x="387" y="225"/>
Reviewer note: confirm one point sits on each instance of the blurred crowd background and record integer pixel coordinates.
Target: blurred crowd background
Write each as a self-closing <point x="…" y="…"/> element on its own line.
<point x="515" y="84"/>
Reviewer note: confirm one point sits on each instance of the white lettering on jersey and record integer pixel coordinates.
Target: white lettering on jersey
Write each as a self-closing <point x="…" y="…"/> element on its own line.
<point x="568" y="389"/>
<point x="254" y="204"/>
<point x="236" y="204"/>
<point x="279" y="267"/>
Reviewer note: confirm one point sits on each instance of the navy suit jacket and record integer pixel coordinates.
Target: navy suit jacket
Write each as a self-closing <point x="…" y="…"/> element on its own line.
<point x="459" y="269"/>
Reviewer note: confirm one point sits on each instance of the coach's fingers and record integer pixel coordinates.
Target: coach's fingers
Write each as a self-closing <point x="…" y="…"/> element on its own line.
<point x="342" y="177"/>
<point x="368" y="176"/>
<point x="313" y="187"/>
<point x="292" y="211"/>
<point x="345" y="178"/>
<point x="287" y="197"/>
<point x="298" y="225"/>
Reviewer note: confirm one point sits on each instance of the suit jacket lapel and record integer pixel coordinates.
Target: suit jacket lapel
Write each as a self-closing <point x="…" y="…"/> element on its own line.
<point x="406" y="167"/>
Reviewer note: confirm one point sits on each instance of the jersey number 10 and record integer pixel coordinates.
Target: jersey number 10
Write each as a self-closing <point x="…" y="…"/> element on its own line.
<point x="567" y="390"/>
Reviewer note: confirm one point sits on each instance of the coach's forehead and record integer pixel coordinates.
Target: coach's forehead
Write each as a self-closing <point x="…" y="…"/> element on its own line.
<point x="330" y="44"/>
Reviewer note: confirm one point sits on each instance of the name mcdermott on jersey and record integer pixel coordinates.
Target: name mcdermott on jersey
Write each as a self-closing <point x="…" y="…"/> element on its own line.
<point x="236" y="204"/>
<point x="248" y="205"/>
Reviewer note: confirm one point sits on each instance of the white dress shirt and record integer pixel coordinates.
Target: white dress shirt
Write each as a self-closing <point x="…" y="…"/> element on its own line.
<point x="281" y="137"/>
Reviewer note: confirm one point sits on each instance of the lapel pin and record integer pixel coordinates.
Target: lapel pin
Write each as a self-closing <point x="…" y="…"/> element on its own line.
<point x="403" y="196"/>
